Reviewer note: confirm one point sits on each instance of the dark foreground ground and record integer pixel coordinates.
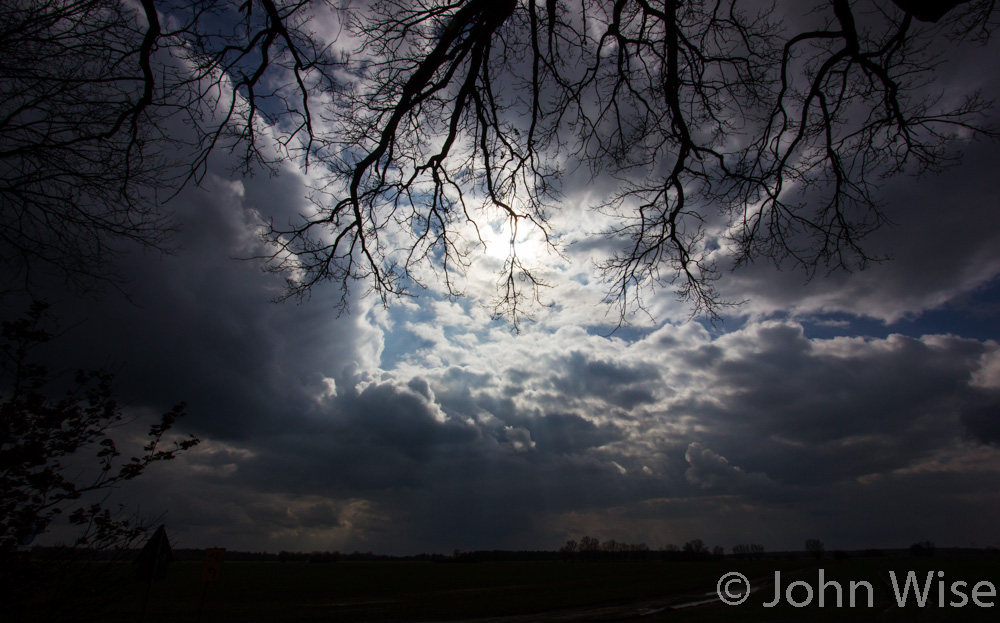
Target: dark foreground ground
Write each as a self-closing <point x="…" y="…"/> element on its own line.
<point x="515" y="592"/>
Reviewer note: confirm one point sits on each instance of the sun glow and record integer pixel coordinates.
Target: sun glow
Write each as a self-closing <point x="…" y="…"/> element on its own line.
<point x="499" y="242"/>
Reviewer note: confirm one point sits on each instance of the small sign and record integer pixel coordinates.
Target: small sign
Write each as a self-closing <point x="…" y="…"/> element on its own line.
<point x="211" y="568"/>
<point x="154" y="557"/>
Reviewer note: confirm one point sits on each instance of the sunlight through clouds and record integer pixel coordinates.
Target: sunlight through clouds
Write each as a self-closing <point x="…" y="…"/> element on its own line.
<point x="824" y="405"/>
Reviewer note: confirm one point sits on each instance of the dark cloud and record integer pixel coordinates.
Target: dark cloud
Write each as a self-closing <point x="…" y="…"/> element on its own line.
<point x="983" y="420"/>
<point x="934" y="255"/>
<point x="200" y="326"/>
<point x="943" y="226"/>
<point x="788" y="429"/>
<point x="568" y="433"/>
<point x="621" y="384"/>
<point x="817" y="412"/>
<point x="771" y="433"/>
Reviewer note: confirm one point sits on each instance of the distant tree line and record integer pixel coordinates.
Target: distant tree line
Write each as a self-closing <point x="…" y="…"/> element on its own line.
<point x="585" y="550"/>
<point x="748" y="551"/>
<point x="592" y="549"/>
<point x="815" y="548"/>
<point x="922" y="548"/>
<point x="692" y="550"/>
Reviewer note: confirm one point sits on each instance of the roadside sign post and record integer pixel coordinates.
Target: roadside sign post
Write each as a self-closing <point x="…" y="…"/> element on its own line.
<point x="151" y="565"/>
<point x="211" y="569"/>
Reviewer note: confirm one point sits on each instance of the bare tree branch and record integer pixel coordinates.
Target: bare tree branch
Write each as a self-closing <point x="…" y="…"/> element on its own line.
<point x="730" y="139"/>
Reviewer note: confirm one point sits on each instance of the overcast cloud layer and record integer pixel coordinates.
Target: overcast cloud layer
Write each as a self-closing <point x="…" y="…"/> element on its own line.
<point x="862" y="409"/>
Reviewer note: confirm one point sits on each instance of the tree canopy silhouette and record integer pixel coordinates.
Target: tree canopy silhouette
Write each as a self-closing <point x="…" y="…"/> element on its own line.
<point x="59" y="455"/>
<point x="82" y="147"/>
<point x="732" y="133"/>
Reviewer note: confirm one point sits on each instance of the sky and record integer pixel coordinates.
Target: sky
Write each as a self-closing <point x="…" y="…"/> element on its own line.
<point x="862" y="409"/>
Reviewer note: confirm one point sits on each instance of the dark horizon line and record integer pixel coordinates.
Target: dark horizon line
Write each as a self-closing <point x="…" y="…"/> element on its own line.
<point x="499" y="555"/>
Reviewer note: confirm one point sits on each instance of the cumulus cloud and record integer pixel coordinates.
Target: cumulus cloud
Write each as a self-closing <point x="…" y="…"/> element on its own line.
<point x="526" y="440"/>
<point x="764" y="414"/>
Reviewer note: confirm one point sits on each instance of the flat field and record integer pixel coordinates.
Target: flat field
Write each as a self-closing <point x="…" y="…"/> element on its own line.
<point x="518" y="592"/>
